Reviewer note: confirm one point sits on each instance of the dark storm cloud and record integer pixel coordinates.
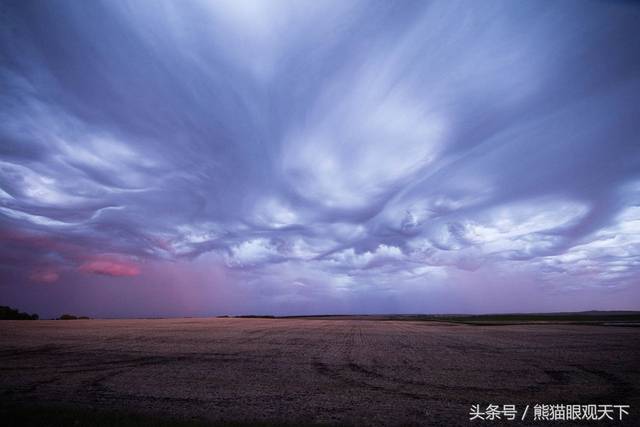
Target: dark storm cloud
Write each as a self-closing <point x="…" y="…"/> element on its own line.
<point x="321" y="151"/>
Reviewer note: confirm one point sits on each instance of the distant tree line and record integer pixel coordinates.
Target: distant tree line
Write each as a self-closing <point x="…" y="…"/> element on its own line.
<point x="8" y="313"/>
<point x="72" y="317"/>
<point x="251" y="316"/>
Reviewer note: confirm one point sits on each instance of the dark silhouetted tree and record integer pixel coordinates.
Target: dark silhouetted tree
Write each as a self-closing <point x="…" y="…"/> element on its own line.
<point x="8" y="313"/>
<point x="67" y="317"/>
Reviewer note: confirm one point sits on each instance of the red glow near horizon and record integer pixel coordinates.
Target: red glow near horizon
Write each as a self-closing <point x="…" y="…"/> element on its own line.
<point x="44" y="276"/>
<point x="110" y="267"/>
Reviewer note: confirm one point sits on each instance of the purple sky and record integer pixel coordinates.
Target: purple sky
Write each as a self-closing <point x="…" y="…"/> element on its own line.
<point x="283" y="157"/>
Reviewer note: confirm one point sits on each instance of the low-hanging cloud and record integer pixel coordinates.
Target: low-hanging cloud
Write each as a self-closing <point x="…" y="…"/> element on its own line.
<point x="110" y="267"/>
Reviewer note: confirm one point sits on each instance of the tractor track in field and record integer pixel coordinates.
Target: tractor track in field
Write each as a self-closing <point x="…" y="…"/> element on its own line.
<point x="336" y="371"/>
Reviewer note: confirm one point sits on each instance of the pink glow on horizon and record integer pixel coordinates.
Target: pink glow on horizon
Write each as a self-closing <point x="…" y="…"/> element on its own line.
<point x="110" y="267"/>
<point x="44" y="276"/>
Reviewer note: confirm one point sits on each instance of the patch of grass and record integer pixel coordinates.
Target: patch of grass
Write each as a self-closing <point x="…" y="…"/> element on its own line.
<point x="613" y="318"/>
<point x="573" y="318"/>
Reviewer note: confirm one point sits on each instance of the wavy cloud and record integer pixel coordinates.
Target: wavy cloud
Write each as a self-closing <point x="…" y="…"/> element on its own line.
<point x="335" y="156"/>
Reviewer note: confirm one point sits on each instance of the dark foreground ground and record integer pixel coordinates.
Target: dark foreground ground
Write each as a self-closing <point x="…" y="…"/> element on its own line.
<point x="302" y="371"/>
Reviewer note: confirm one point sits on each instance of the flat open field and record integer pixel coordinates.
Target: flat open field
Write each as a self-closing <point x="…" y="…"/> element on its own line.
<point x="362" y="372"/>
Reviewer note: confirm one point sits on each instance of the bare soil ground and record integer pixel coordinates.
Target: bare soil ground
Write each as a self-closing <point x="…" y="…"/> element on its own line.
<point x="362" y="372"/>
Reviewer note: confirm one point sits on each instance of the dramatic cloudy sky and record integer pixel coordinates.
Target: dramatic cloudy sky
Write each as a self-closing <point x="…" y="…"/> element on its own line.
<point x="211" y="157"/>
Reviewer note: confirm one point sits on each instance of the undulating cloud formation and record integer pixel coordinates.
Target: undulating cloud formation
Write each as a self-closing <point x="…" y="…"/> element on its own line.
<point x="209" y="157"/>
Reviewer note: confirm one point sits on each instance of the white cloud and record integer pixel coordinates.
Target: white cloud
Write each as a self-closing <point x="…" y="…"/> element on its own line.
<point x="348" y="258"/>
<point x="37" y="188"/>
<point x="34" y="219"/>
<point x="274" y="212"/>
<point x="252" y="252"/>
<point x="364" y="136"/>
